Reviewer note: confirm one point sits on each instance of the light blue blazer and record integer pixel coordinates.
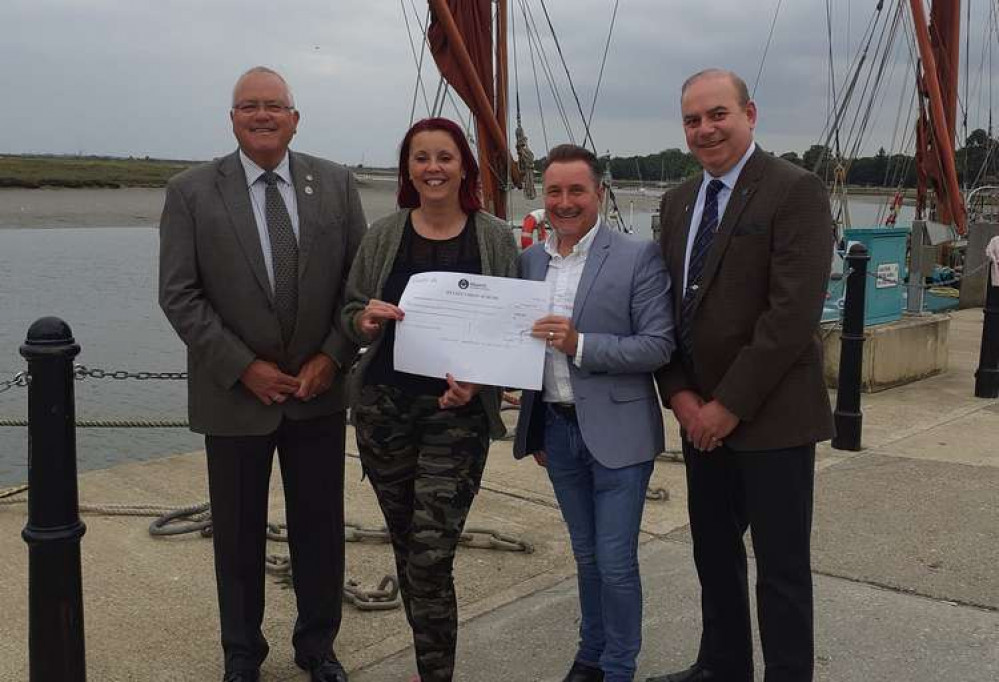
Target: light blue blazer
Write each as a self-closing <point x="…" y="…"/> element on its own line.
<point x="624" y="307"/>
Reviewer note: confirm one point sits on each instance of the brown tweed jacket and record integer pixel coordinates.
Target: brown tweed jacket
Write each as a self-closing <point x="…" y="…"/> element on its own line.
<point x="755" y="343"/>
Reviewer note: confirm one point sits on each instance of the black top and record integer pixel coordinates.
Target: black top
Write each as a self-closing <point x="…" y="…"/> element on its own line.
<point x="418" y="254"/>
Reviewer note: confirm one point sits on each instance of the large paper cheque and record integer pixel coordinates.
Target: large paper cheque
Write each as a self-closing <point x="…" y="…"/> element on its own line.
<point x="474" y="327"/>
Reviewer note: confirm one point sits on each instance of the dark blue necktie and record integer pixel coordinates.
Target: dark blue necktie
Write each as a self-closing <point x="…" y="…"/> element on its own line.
<point x="698" y="256"/>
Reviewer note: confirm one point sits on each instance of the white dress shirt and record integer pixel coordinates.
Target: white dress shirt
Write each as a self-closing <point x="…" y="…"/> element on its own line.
<point x="728" y="184"/>
<point x="563" y="275"/>
<point x="258" y="197"/>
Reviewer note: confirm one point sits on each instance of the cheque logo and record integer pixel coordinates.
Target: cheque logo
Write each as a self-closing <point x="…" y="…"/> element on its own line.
<point x="462" y="283"/>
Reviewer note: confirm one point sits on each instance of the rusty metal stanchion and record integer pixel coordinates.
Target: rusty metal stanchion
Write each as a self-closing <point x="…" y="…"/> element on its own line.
<point x="55" y="585"/>
<point x="987" y="375"/>
<point x="849" y="419"/>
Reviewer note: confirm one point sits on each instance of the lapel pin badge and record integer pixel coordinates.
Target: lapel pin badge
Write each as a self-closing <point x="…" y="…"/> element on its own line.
<point x="309" y="178"/>
<point x="308" y="189"/>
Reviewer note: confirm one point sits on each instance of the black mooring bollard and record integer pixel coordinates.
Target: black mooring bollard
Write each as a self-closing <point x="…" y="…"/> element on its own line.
<point x="56" y="650"/>
<point x="987" y="375"/>
<point x="848" y="417"/>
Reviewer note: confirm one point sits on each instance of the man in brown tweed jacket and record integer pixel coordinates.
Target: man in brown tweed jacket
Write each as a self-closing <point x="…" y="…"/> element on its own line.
<point x="748" y="244"/>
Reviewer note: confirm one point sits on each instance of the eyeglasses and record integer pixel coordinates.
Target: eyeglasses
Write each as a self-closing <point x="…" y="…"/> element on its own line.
<point x="250" y="108"/>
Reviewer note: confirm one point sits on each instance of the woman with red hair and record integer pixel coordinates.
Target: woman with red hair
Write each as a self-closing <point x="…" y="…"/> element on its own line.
<point x="422" y="440"/>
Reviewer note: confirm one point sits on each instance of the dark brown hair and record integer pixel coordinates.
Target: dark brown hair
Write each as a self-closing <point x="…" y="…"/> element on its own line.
<point x="567" y="153"/>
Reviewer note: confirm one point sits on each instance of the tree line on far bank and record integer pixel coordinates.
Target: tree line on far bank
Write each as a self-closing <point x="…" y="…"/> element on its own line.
<point x="977" y="163"/>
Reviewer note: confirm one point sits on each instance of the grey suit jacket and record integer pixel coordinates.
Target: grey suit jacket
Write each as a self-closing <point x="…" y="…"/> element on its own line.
<point x="215" y="291"/>
<point x="624" y="308"/>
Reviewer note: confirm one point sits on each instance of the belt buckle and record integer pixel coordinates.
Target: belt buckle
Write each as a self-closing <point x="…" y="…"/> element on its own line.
<point x="567" y="410"/>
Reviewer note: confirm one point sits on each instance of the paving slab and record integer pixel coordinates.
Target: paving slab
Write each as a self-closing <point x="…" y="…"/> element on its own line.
<point x="863" y="633"/>
<point x="970" y="437"/>
<point x="914" y="514"/>
<point x="919" y="526"/>
<point x="922" y="527"/>
<point x="150" y="605"/>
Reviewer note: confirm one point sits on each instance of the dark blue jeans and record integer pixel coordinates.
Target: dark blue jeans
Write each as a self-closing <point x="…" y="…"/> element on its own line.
<point x="603" y="509"/>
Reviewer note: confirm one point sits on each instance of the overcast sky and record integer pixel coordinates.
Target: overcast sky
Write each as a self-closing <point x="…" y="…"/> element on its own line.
<point x="154" y="77"/>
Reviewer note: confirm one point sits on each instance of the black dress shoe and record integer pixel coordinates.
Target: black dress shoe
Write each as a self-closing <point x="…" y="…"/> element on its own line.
<point x="242" y="676"/>
<point x="694" y="673"/>
<point x="322" y="669"/>
<point x="580" y="672"/>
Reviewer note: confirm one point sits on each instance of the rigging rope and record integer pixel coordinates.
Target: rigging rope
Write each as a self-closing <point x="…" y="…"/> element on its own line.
<point x="832" y="95"/>
<point x="537" y="89"/>
<point x="835" y="117"/>
<point x="902" y="168"/>
<point x="546" y="67"/>
<point x="603" y="62"/>
<point x="874" y="85"/>
<point x="967" y="91"/>
<point x="419" y="60"/>
<point x="516" y="69"/>
<point x="763" y="60"/>
<point x="572" y="87"/>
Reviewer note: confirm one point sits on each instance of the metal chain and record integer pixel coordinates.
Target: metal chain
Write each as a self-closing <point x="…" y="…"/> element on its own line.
<point x="385" y="597"/>
<point x="81" y="372"/>
<point x="657" y="494"/>
<point x="916" y="285"/>
<point x="21" y="379"/>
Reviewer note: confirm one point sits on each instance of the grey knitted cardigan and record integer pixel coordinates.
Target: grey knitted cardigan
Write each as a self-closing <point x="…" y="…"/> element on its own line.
<point x="371" y="268"/>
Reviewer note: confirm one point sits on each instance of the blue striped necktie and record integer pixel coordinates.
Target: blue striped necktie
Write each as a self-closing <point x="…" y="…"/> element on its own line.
<point x="698" y="256"/>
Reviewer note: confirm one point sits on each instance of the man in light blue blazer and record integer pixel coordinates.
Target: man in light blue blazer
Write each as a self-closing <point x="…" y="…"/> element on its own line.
<point x="596" y="425"/>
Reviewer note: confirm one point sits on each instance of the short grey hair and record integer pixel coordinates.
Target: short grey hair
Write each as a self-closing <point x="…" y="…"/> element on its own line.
<point x="741" y="89"/>
<point x="270" y="72"/>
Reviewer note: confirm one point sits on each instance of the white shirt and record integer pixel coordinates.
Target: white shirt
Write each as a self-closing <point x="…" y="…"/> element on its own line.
<point x="728" y="184"/>
<point x="258" y="197"/>
<point x="563" y="275"/>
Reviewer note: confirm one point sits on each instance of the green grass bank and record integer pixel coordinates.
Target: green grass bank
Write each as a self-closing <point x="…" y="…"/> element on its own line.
<point x="86" y="171"/>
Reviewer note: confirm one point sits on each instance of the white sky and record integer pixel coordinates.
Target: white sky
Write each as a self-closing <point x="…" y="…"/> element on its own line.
<point x="154" y="77"/>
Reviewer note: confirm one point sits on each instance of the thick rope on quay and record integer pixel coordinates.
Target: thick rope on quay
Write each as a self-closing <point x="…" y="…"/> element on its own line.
<point x="9" y="496"/>
<point x="197" y="518"/>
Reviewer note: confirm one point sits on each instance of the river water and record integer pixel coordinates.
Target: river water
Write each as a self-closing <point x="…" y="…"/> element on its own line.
<point x="89" y="257"/>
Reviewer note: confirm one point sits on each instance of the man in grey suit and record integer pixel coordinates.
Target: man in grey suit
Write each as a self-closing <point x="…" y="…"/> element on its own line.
<point x="255" y="248"/>
<point x="596" y="425"/>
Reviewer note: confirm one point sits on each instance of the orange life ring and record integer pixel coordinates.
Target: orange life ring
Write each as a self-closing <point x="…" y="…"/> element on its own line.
<point x="532" y="230"/>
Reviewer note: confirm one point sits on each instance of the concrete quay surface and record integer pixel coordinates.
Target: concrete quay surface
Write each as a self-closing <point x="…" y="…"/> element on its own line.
<point x="905" y="558"/>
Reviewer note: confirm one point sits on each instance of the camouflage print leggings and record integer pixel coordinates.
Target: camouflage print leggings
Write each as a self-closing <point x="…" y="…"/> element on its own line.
<point x="425" y="465"/>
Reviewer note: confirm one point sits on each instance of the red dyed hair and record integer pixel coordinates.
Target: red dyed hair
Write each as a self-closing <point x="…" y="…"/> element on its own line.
<point x="468" y="194"/>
